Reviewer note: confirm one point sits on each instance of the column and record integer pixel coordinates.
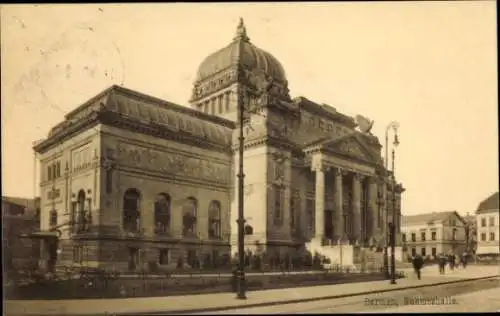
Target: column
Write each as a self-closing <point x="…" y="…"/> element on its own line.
<point x="339" y="211"/>
<point x="356" y="208"/>
<point x="372" y="207"/>
<point x="320" y="204"/>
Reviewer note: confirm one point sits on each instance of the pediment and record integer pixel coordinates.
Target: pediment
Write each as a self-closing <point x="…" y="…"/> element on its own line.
<point x="352" y="146"/>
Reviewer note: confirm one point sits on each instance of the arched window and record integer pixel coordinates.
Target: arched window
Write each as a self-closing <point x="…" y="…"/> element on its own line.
<point x="131" y="214"/>
<point x="162" y="213"/>
<point x="189" y="217"/>
<point x="214" y="222"/>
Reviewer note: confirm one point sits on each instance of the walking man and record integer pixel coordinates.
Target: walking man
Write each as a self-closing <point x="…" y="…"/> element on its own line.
<point x="418" y="263"/>
<point x="442" y="263"/>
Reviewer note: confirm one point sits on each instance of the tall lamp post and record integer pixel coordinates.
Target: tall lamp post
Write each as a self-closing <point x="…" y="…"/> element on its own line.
<point x="395" y="220"/>
<point x="394" y="126"/>
<point x="241" y="219"/>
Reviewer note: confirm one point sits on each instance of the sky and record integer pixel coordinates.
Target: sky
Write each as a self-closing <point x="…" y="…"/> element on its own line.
<point x="430" y="66"/>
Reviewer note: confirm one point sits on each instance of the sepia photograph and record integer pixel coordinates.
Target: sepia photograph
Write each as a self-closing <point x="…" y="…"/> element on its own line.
<point x="250" y="158"/>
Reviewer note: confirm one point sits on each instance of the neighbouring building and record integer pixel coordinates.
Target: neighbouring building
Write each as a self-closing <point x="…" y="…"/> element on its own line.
<point x="127" y="178"/>
<point x="488" y="227"/>
<point x="433" y="233"/>
<point x="20" y="216"/>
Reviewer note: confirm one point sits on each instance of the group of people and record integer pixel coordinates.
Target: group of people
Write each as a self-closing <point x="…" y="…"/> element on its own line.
<point x="452" y="259"/>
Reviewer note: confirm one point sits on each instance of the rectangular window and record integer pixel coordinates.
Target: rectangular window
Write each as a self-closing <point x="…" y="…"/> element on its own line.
<point x="49" y="172"/>
<point x="492" y="221"/>
<point x="413" y="237"/>
<point x="278" y="205"/>
<point x="58" y="169"/>
<point x="492" y="236"/>
<point x="453" y="234"/>
<point x="422" y="236"/>
<point x="422" y="252"/>
<point x="433" y="235"/>
<point x="434" y="252"/>
<point x="483" y="236"/>
<point x="483" y="222"/>
<point x="403" y="236"/>
<point x="53" y="218"/>
<point x="78" y="254"/>
<point x="164" y="256"/>
<point x="413" y="252"/>
<point x="109" y="181"/>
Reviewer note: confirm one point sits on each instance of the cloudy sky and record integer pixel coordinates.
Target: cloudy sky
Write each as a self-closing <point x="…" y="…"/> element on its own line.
<point x="431" y="66"/>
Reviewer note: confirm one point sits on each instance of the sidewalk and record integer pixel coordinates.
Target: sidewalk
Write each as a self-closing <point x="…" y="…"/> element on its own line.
<point x="209" y="302"/>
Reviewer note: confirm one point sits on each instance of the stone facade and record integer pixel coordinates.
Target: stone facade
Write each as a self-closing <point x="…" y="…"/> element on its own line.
<point x="156" y="181"/>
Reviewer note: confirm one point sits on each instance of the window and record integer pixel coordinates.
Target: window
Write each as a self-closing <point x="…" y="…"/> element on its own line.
<point x="413" y="252"/>
<point x="434" y="252"/>
<point x="53" y="218"/>
<point x="454" y="234"/>
<point x="422" y="252"/>
<point x="49" y="173"/>
<point x="109" y="181"/>
<point x="164" y="256"/>
<point x="80" y="215"/>
<point x="133" y="258"/>
<point x="492" y="236"/>
<point x="413" y="237"/>
<point x="189" y="217"/>
<point x="78" y="254"/>
<point x="162" y="214"/>
<point x="483" y="236"/>
<point x="433" y="235"/>
<point x="422" y="236"/>
<point x="403" y="237"/>
<point x="483" y="222"/>
<point x="131" y="213"/>
<point x="492" y="221"/>
<point x="214" y="220"/>
<point x="58" y="169"/>
<point x="278" y="205"/>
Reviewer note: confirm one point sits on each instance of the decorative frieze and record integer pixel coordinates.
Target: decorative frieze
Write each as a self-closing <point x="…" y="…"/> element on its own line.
<point x="172" y="163"/>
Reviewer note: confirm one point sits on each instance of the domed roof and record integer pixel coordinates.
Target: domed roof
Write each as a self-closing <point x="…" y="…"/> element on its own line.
<point x="242" y="52"/>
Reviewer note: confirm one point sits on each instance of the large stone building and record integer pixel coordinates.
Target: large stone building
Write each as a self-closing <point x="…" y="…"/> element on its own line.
<point x="488" y="227"/>
<point x="137" y="179"/>
<point x="434" y="233"/>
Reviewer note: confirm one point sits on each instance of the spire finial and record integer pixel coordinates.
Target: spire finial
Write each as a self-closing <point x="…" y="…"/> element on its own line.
<point x="241" y="31"/>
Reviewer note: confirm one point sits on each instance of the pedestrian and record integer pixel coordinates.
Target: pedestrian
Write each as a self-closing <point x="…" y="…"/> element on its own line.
<point x="418" y="263"/>
<point x="442" y="263"/>
<point x="464" y="260"/>
<point x="452" y="261"/>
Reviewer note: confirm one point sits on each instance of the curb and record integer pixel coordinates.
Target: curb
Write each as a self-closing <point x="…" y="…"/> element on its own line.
<point x="296" y="301"/>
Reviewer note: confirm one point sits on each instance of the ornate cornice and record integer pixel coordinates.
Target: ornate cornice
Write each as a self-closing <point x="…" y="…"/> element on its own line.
<point x="124" y="122"/>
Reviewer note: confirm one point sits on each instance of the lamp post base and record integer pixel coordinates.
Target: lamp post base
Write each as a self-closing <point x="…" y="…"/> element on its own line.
<point x="393" y="281"/>
<point x="240" y="294"/>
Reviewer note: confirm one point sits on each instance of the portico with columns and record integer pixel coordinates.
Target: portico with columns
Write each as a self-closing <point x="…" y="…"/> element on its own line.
<point x="349" y="170"/>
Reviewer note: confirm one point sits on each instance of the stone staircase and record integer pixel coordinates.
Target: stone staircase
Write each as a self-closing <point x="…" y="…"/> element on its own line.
<point x="338" y="255"/>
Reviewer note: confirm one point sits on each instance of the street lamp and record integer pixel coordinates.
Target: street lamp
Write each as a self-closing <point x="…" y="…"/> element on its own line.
<point x="395" y="219"/>
<point x="240" y="273"/>
<point x="394" y="126"/>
